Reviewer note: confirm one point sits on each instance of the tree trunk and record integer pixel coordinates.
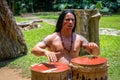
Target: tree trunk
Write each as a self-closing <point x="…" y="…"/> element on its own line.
<point x="88" y="24"/>
<point x="12" y="43"/>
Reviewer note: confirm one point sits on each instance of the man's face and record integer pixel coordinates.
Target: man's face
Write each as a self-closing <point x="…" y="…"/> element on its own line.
<point x="68" y="22"/>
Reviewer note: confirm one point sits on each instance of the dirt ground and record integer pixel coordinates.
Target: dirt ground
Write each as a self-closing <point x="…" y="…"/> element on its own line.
<point x="11" y="74"/>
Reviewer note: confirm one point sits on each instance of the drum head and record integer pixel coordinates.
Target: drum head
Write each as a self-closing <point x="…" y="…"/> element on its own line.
<point x="49" y="67"/>
<point x="86" y="60"/>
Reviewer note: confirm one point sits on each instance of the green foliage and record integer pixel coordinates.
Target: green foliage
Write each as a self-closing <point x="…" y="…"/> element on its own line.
<point x="60" y="6"/>
<point x="103" y="5"/>
<point x="98" y="5"/>
<point x="23" y="6"/>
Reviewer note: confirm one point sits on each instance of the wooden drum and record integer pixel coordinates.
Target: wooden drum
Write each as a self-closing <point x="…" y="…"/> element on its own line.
<point x="89" y="68"/>
<point x="49" y="71"/>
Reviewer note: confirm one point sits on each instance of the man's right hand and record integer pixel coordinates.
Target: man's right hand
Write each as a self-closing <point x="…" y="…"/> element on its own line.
<point x="51" y="56"/>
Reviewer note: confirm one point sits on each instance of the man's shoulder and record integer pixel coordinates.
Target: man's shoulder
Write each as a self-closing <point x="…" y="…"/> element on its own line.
<point x="80" y="36"/>
<point x="52" y="36"/>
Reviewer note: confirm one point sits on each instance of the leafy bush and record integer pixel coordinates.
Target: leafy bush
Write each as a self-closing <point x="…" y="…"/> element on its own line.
<point x="23" y="6"/>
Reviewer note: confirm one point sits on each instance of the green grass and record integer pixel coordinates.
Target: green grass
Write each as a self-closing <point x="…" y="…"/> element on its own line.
<point x="112" y="21"/>
<point x="20" y="19"/>
<point x="109" y="46"/>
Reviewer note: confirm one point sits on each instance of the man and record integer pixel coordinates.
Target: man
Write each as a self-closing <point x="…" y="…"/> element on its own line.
<point x="64" y="44"/>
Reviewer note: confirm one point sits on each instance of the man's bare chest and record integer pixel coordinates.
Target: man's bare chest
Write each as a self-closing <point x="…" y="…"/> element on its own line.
<point x="74" y="48"/>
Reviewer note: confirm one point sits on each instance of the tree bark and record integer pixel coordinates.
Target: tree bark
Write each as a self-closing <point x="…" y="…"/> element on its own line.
<point x="88" y="24"/>
<point x="12" y="43"/>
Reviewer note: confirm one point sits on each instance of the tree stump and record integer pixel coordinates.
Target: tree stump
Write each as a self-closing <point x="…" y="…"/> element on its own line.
<point x="88" y="24"/>
<point x="12" y="43"/>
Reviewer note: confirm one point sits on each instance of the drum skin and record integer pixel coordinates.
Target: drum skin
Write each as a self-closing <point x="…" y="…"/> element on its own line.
<point x="49" y="71"/>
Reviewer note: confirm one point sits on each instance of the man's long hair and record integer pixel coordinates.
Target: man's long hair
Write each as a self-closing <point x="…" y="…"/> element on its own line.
<point x="61" y="18"/>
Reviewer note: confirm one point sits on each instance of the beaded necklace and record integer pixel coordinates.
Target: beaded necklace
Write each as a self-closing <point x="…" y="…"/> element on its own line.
<point x="68" y="50"/>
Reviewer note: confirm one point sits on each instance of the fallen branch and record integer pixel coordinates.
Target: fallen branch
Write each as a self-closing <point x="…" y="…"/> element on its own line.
<point x="29" y="25"/>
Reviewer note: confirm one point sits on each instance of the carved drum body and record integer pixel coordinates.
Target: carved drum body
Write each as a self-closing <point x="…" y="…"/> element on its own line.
<point x="89" y="68"/>
<point x="49" y="71"/>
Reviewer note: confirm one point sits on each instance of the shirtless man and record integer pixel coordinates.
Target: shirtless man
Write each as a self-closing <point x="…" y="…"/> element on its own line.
<point x="64" y="44"/>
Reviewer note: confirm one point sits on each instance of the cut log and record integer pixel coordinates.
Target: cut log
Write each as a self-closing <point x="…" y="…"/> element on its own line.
<point x="88" y="24"/>
<point x="29" y="25"/>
